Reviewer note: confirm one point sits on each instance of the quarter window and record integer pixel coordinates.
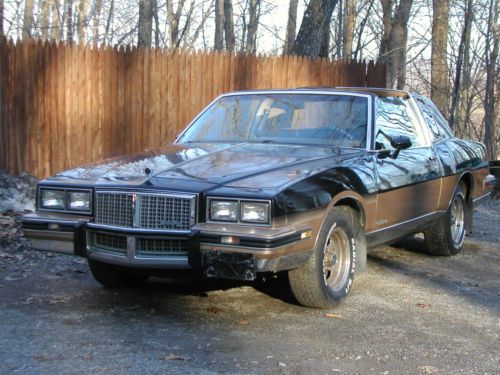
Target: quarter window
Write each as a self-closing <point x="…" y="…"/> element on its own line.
<point x="395" y="117"/>
<point x="434" y="119"/>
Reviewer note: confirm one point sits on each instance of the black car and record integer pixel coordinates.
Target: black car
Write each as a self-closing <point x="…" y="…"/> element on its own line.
<point x="304" y="181"/>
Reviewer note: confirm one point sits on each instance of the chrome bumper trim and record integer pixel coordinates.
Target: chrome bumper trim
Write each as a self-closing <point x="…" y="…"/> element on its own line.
<point x="126" y="230"/>
<point x="172" y="262"/>
<point x="489" y="181"/>
<point x="55" y="241"/>
<point x="480" y="200"/>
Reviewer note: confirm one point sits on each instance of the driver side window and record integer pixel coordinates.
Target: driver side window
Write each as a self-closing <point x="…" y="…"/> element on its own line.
<point x="394" y="117"/>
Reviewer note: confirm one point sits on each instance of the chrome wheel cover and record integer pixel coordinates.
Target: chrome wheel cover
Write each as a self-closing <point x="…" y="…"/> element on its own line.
<point x="457" y="220"/>
<point x="336" y="259"/>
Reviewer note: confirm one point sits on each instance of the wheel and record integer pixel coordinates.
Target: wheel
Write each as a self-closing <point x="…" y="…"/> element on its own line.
<point x="113" y="277"/>
<point x="446" y="237"/>
<point x="326" y="278"/>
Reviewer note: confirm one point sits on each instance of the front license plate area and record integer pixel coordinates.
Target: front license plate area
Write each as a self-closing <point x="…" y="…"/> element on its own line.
<point x="225" y="265"/>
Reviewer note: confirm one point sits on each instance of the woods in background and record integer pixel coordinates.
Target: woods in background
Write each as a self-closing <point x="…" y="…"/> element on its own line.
<point x="446" y="49"/>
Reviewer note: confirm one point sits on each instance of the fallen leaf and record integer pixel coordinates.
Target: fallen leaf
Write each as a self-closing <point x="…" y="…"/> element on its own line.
<point x="423" y="305"/>
<point x="214" y="310"/>
<point x="242" y="322"/>
<point x="328" y="315"/>
<point x="175" y="357"/>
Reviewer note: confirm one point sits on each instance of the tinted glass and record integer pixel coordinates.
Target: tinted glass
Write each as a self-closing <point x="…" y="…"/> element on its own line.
<point x="283" y="118"/>
<point x="434" y="119"/>
<point x="394" y="117"/>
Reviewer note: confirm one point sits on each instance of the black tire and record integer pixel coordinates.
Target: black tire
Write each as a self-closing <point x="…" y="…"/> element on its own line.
<point x="318" y="282"/>
<point x="446" y="236"/>
<point x="113" y="277"/>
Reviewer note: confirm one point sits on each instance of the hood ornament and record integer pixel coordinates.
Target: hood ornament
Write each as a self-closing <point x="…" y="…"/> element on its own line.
<point x="148" y="172"/>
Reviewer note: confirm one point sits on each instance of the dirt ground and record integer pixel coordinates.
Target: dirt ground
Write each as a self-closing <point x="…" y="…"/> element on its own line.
<point x="408" y="313"/>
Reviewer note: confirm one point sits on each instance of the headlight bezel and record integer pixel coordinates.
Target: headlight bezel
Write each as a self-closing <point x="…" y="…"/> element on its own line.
<point x="67" y="194"/>
<point x="239" y="219"/>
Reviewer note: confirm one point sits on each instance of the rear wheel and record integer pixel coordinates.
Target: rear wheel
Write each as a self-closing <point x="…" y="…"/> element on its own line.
<point x="114" y="277"/>
<point x="446" y="237"/>
<point x="326" y="278"/>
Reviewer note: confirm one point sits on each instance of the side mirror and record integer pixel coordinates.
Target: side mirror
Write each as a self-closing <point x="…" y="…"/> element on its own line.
<point x="399" y="142"/>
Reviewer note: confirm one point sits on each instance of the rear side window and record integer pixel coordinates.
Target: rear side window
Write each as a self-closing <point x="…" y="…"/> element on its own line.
<point x="434" y="119"/>
<point x="395" y="117"/>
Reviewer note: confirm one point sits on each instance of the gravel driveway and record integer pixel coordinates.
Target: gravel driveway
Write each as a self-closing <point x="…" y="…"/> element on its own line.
<point x="408" y="313"/>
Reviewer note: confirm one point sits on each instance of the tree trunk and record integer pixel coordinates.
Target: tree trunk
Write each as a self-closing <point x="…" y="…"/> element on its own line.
<point x="69" y="20"/>
<point x="55" y="29"/>
<point x="109" y="19"/>
<point x="229" y="25"/>
<point x="253" y="25"/>
<point x="82" y="20"/>
<point x="44" y="5"/>
<point x="173" y="19"/>
<point x="439" y="66"/>
<point x="492" y="80"/>
<point x="97" y="20"/>
<point x="340" y="30"/>
<point x="219" y="25"/>
<point x="393" y="46"/>
<point x="27" y="19"/>
<point x="455" y="97"/>
<point x="317" y="17"/>
<point x="145" y="23"/>
<point x="291" y="27"/>
<point x="349" y="22"/>
<point x="2" y="34"/>
<point x="387" y="6"/>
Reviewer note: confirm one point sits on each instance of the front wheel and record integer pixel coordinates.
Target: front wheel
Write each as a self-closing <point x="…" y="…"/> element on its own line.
<point x="446" y="237"/>
<point x="113" y="277"/>
<point x="326" y="278"/>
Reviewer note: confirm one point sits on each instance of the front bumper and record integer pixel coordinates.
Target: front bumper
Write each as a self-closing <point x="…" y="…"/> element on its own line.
<point x="258" y="249"/>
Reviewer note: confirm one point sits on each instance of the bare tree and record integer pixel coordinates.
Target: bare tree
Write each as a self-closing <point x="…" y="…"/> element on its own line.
<point x="253" y="24"/>
<point x="455" y="101"/>
<point x="145" y="24"/>
<point x="2" y="34"/>
<point x="394" y="41"/>
<point x="291" y="27"/>
<point x="44" y="6"/>
<point x="27" y="19"/>
<point x="173" y="18"/>
<point x="97" y="20"/>
<point x="55" y="29"/>
<point x="316" y="20"/>
<point x="81" y="26"/>
<point x="492" y="80"/>
<point x="229" y="25"/>
<point x="349" y="22"/>
<point x="439" y="67"/>
<point x="68" y="6"/>
<point x="219" y="25"/>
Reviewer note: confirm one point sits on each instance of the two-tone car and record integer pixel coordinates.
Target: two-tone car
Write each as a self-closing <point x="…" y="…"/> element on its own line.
<point x="304" y="181"/>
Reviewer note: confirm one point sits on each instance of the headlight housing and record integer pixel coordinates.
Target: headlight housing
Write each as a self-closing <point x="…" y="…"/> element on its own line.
<point x="224" y="210"/>
<point x="239" y="211"/>
<point x="254" y="212"/>
<point x="60" y="199"/>
<point x="79" y="201"/>
<point x="53" y="199"/>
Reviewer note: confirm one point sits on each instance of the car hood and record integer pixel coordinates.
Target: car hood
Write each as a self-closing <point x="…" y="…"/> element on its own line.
<point x="201" y="166"/>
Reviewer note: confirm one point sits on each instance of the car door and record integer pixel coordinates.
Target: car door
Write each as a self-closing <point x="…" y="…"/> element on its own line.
<point x="409" y="185"/>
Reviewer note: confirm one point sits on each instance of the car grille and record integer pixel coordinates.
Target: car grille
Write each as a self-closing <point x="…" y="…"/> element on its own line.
<point x="143" y="246"/>
<point x="109" y="242"/>
<point x="144" y="210"/>
<point x="160" y="246"/>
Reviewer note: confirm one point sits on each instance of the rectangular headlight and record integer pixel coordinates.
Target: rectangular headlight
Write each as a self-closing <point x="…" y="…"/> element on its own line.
<point x="53" y="199"/>
<point x="255" y="212"/>
<point x="224" y="210"/>
<point x="79" y="200"/>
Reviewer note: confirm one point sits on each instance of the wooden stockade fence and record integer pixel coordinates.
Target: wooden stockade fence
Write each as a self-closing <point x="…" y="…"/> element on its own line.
<point x="66" y="105"/>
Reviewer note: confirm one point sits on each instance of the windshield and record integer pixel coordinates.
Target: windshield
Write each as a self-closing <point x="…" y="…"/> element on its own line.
<point x="337" y="120"/>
